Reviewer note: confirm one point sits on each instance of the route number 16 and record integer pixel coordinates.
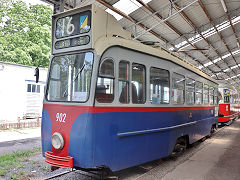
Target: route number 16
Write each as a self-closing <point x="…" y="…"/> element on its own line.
<point x="70" y="27"/>
<point x="61" y="117"/>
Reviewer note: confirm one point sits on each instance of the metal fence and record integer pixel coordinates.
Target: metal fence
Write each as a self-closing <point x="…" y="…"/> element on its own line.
<point x="19" y="124"/>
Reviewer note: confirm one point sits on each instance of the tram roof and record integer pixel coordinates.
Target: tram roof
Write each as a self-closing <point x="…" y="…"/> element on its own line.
<point x="204" y="33"/>
<point x="105" y="42"/>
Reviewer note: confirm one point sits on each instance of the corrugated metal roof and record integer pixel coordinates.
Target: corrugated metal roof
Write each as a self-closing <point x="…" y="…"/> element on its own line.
<point x="196" y="24"/>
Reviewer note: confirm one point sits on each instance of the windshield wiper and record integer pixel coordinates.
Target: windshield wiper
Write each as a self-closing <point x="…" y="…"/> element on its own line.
<point x="79" y="72"/>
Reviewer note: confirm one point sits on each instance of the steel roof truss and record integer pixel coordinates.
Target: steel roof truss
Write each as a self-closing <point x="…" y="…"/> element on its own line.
<point x="219" y="34"/>
<point x="163" y="20"/>
<point x="151" y="31"/>
<point x="210" y="45"/>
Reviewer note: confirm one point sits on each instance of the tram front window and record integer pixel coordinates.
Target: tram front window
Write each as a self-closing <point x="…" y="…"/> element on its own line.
<point x="70" y="77"/>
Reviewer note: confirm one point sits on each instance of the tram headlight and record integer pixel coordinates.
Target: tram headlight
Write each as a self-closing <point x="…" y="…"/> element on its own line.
<point x="57" y="141"/>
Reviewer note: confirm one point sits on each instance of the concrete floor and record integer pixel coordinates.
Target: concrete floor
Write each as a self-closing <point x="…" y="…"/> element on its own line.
<point x="19" y="139"/>
<point x="218" y="158"/>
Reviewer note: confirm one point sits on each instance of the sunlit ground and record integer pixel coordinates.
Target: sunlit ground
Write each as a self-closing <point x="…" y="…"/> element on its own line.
<point x="233" y="128"/>
<point x="222" y="141"/>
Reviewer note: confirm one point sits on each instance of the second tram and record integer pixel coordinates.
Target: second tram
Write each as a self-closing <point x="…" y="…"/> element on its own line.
<point x="228" y="103"/>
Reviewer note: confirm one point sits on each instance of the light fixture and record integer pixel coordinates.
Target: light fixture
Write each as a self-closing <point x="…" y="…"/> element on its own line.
<point x="224" y="6"/>
<point x="238" y="44"/>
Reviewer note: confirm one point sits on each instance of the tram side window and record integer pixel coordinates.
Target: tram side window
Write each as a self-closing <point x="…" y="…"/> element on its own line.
<point x="215" y="96"/>
<point x="138" y="83"/>
<point x="211" y="95"/>
<point x="159" y="86"/>
<point x="104" y="90"/>
<point x="178" y="88"/>
<point x="123" y="82"/>
<point x="206" y="94"/>
<point x="199" y="92"/>
<point x="190" y="88"/>
<point x="235" y="98"/>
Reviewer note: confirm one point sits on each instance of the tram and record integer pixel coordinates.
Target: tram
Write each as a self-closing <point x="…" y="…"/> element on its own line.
<point x="114" y="102"/>
<point x="229" y="108"/>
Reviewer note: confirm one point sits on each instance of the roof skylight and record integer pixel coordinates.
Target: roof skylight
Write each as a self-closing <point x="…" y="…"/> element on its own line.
<point x="116" y="15"/>
<point x="126" y="6"/>
<point x="209" y="32"/>
<point x="226" y="70"/>
<point x="218" y="59"/>
<point x="233" y="77"/>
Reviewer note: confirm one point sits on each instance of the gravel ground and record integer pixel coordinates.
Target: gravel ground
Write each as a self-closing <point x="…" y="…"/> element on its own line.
<point x="144" y="171"/>
<point x="34" y="167"/>
<point x="152" y="170"/>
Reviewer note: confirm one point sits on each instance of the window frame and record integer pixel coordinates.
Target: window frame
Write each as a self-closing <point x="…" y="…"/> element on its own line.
<point x="90" y="82"/>
<point x="194" y="90"/>
<point x="108" y="77"/>
<point x="128" y="81"/>
<point x="145" y="83"/>
<point x="205" y="93"/>
<point x="216" y="96"/>
<point x="184" y="89"/>
<point x="169" y="77"/>
<point x="211" y="88"/>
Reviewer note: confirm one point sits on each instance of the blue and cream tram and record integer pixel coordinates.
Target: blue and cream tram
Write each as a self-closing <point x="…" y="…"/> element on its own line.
<point x="114" y="102"/>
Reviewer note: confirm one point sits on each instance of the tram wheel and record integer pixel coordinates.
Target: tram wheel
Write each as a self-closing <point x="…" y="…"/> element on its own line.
<point x="180" y="146"/>
<point x="229" y="122"/>
<point x="213" y="129"/>
<point x="53" y="168"/>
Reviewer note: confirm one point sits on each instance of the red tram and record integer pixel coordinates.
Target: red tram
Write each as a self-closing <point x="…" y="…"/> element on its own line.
<point x="229" y="108"/>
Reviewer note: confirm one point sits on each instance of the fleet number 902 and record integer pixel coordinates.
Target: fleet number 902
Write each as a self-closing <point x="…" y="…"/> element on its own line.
<point x="60" y="117"/>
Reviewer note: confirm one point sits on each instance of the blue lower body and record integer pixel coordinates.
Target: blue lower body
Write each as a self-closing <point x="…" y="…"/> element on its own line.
<point x="123" y="139"/>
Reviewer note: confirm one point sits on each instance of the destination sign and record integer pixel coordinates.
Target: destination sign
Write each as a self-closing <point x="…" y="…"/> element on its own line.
<point x="226" y="92"/>
<point x="73" y="25"/>
<point x="77" y="41"/>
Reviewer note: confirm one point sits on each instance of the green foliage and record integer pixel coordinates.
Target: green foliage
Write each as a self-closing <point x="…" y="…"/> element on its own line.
<point x="2" y="172"/>
<point x="25" y="33"/>
<point x="14" y="177"/>
<point x="11" y="162"/>
<point x="13" y="159"/>
<point x="44" y="168"/>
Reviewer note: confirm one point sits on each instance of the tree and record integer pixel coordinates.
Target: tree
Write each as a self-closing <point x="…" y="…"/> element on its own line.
<point x="25" y="33"/>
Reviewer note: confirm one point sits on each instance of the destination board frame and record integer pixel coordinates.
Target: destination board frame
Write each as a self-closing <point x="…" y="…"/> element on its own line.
<point x="74" y="41"/>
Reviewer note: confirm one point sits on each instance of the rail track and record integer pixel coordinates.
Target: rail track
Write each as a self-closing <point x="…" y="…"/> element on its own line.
<point x="95" y="175"/>
<point x="145" y="168"/>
